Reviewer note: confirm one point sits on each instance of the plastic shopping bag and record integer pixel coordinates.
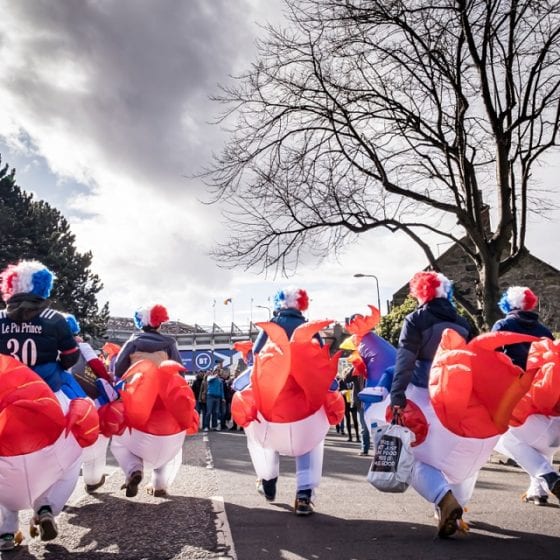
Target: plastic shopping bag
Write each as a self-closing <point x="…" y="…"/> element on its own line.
<point x="393" y="459"/>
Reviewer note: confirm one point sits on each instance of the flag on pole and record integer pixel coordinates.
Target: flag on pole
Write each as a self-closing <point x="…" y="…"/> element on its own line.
<point x="226" y="301"/>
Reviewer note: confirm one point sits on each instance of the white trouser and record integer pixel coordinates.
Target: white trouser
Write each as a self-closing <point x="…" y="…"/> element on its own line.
<point x="94" y="460"/>
<point x="444" y="461"/>
<point x="55" y="497"/>
<point x="459" y="458"/>
<point x="163" y="454"/>
<point x="429" y="482"/>
<point x="533" y="445"/>
<point x="432" y="485"/>
<point x="463" y="491"/>
<point x="290" y="438"/>
<point x="266" y="462"/>
<point x="309" y="466"/>
<point x="23" y="478"/>
<point x="95" y="456"/>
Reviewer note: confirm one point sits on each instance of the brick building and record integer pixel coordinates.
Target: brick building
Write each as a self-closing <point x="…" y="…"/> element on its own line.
<point x="530" y="271"/>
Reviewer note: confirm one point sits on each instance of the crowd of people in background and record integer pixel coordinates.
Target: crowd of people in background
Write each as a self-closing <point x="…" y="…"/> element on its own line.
<point x="213" y="392"/>
<point x="350" y="383"/>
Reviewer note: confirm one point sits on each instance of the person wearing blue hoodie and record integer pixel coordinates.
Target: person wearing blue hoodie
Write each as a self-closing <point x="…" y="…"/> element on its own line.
<point x="289" y="305"/>
<point x="534" y="444"/>
<point x="214" y="398"/>
<point x="518" y="305"/>
<point x="418" y="342"/>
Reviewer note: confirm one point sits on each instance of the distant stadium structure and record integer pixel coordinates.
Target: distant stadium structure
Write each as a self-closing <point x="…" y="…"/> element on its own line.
<point x="203" y="347"/>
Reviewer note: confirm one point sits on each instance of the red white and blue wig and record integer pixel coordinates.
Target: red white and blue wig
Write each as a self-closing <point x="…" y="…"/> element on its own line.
<point x="428" y="285"/>
<point x="518" y="297"/>
<point x="151" y="316"/>
<point x="26" y="277"/>
<point x="291" y="298"/>
<point x="72" y="323"/>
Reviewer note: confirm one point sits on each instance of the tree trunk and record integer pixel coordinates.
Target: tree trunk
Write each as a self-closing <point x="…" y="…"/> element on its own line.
<point x="488" y="291"/>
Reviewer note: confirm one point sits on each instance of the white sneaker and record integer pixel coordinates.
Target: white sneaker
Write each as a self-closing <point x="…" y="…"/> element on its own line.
<point x="205" y="430"/>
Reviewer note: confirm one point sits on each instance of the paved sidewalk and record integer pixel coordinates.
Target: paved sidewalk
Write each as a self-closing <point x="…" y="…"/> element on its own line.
<point x="109" y="526"/>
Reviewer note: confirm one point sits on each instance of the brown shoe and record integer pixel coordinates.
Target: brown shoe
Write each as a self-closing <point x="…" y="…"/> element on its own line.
<point x="91" y="488"/>
<point x="157" y="492"/>
<point x="555" y="487"/>
<point x="44" y="518"/>
<point x="303" y="505"/>
<point x="131" y="484"/>
<point x="450" y="514"/>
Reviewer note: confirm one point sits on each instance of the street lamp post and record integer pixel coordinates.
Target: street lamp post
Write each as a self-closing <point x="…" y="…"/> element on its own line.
<point x="264" y="307"/>
<point x="360" y="275"/>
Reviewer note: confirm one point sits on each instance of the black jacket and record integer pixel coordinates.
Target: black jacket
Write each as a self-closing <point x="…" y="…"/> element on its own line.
<point x="418" y="343"/>
<point x="523" y="322"/>
<point x="146" y="341"/>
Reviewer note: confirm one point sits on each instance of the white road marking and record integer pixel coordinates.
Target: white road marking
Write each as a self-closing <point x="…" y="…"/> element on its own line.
<point x="223" y="530"/>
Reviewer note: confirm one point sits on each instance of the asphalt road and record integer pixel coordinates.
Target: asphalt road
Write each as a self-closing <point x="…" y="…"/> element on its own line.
<point x="353" y="521"/>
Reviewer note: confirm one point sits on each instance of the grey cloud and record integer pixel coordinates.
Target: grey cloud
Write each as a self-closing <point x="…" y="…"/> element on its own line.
<point x="150" y="62"/>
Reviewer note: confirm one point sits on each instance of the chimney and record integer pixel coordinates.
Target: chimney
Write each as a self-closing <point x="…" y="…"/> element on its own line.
<point x="485" y="219"/>
<point x="484" y="215"/>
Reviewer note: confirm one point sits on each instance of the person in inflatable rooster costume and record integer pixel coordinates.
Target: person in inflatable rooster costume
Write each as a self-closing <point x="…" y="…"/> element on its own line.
<point x="149" y="343"/>
<point x="534" y="436"/>
<point x="440" y="389"/>
<point x="92" y="376"/>
<point x="34" y="333"/>
<point x="518" y="304"/>
<point x="289" y="405"/>
<point x="40" y="450"/>
<point x="418" y="342"/>
<point x="156" y="402"/>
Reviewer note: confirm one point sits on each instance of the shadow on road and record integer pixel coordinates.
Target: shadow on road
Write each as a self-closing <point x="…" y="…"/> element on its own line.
<point x="324" y="537"/>
<point x="130" y="529"/>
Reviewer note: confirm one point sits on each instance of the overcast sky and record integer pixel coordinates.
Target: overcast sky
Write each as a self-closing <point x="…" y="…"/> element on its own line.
<point x="105" y="113"/>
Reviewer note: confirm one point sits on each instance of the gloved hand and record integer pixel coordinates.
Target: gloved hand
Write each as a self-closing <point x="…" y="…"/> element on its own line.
<point x="398" y="401"/>
<point x="398" y="415"/>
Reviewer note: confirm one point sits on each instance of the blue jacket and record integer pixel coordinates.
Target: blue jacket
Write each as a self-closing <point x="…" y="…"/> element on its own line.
<point x="523" y="322"/>
<point x="419" y="339"/>
<point x="289" y="320"/>
<point x="215" y="387"/>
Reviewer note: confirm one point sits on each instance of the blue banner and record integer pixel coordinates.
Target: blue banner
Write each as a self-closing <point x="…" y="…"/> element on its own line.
<point x="204" y="360"/>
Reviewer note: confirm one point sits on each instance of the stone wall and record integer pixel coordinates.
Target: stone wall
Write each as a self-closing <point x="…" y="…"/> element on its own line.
<point x="544" y="280"/>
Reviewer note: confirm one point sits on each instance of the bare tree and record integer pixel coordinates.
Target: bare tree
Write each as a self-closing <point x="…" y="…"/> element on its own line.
<point x="409" y="115"/>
